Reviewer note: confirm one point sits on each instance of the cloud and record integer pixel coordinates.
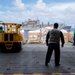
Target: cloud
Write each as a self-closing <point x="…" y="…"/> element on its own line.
<point x="64" y="11"/>
<point x="59" y="12"/>
<point x="12" y="17"/>
<point x="41" y="6"/>
<point x="19" y="4"/>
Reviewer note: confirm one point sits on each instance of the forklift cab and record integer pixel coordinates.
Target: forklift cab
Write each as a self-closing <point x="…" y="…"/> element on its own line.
<point x="10" y="37"/>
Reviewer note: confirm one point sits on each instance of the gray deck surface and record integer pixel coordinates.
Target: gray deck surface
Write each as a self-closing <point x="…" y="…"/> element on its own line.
<point x="32" y="59"/>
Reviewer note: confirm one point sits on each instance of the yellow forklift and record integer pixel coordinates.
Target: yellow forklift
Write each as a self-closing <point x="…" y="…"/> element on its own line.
<point x="10" y="37"/>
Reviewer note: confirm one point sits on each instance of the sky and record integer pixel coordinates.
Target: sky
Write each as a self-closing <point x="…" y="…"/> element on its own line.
<point x="18" y="11"/>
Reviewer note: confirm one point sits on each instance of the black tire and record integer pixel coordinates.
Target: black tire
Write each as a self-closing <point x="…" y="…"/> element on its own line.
<point x="18" y="47"/>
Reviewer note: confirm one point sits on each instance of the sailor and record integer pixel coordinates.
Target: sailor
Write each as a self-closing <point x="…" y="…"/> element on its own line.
<point x="53" y="42"/>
